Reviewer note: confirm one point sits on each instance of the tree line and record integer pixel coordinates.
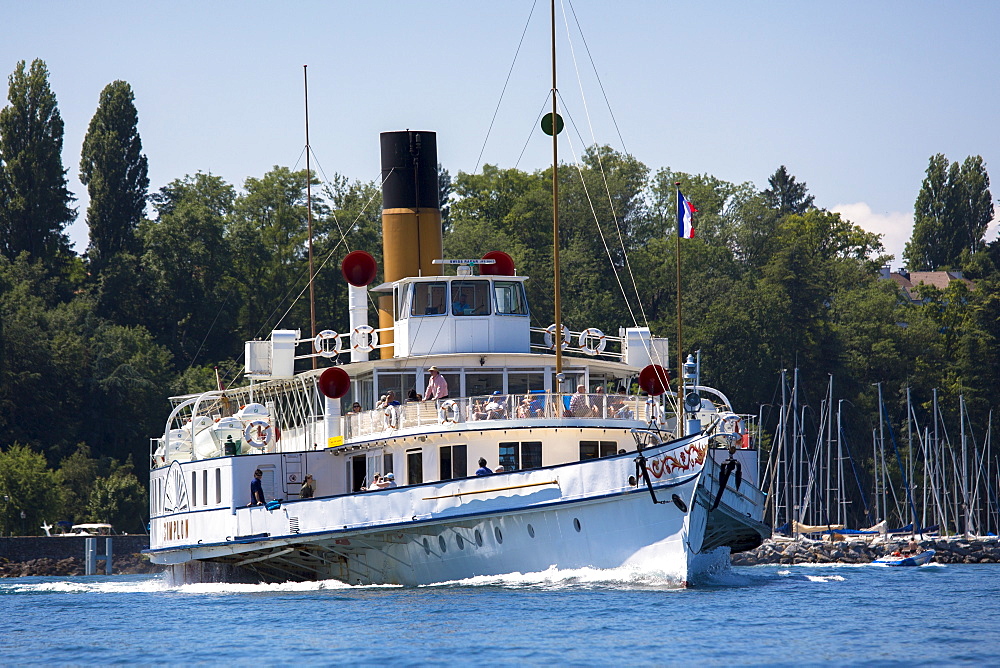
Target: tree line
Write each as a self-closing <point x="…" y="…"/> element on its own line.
<point x="173" y="282"/>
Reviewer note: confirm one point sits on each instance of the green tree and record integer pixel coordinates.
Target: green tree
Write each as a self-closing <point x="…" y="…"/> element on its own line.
<point x="192" y="304"/>
<point x="115" y="171"/>
<point x="786" y="195"/>
<point x="76" y="475"/>
<point x="119" y="499"/>
<point x="29" y="493"/>
<point x="951" y="214"/>
<point x="36" y="203"/>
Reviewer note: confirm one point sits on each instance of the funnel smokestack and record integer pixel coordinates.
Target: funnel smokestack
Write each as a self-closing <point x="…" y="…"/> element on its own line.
<point x="411" y="219"/>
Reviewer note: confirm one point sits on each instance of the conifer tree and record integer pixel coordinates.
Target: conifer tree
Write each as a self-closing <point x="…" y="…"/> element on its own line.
<point x="951" y="214"/>
<point x="114" y="169"/>
<point x="35" y="203"/>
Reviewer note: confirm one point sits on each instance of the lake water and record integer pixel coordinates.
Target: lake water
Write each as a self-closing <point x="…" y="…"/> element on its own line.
<point x="771" y="615"/>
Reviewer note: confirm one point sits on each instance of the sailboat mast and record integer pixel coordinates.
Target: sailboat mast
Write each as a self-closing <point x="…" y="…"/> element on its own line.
<point x="309" y="218"/>
<point x="555" y="210"/>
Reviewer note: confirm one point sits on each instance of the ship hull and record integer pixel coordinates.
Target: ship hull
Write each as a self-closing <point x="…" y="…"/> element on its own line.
<point x="592" y="514"/>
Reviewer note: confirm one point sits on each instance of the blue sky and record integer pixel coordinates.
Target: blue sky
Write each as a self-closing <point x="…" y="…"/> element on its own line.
<point x="853" y="97"/>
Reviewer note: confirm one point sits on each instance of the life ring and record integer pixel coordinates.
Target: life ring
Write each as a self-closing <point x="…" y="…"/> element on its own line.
<point x="448" y="413"/>
<point x="364" y="338"/>
<point x="550" y="333"/>
<point x="257" y="433"/>
<point x="732" y="424"/>
<point x="391" y="417"/>
<point x="321" y="346"/>
<point x="588" y="335"/>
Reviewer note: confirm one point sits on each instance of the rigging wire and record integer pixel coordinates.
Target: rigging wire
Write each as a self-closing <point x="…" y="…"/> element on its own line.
<point x="500" y="101"/>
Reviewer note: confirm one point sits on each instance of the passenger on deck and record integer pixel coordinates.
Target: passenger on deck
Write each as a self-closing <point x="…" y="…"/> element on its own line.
<point x="391" y="400"/>
<point x="496" y="409"/>
<point x="483" y="469"/>
<point x="308" y="489"/>
<point x="412" y="395"/>
<point x="579" y="403"/>
<point x="499" y="469"/>
<point x="381" y="403"/>
<point x="437" y="386"/>
<point x="257" y="489"/>
<point x="389" y="480"/>
<point x="598" y="400"/>
<point x="523" y="409"/>
<point x="355" y="408"/>
<point x="376" y="483"/>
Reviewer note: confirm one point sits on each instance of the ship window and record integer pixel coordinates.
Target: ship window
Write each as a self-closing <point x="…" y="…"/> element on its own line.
<point x="470" y="298"/>
<point x="194" y="488"/>
<point x="531" y="455"/>
<point x="429" y="299"/>
<point x="509" y="456"/>
<point x="453" y="462"/>
<point x="218" y="485"/>
<point x="204" y="487"/>
<point x="595" y="449"/>
<point x="414" y="467"/>
<point x="387" y="463"/>
<point x="510" y="298"/>
<point x="520" y="456"/>
<point x="522" y="382"/>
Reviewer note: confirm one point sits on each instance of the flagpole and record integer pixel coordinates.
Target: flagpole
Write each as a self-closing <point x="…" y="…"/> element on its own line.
<point x="680" y="348"/>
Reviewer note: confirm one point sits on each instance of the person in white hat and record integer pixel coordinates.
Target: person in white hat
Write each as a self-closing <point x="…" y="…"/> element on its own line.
<point x="391" y="479"/>
<point x="437" y="386"/>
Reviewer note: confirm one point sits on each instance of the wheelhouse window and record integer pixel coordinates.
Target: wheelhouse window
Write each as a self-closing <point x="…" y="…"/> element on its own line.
<point x="453" y="462"/>
<point x="520" y="456"/>
<point x="470" y="297"/>
<point x="429" y="299"/>
<point x="510" y="298"/>
<point x="414" y="467"/>
<point x="595" y="449"/>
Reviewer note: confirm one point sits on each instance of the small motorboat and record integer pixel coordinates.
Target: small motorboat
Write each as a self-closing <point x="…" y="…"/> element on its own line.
<point x="895" y="559"/>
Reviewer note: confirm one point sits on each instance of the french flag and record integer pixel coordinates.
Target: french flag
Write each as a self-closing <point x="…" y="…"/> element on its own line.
<point x="685" y="209"/>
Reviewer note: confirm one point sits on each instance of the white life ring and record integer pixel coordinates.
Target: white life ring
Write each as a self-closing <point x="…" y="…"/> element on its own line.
<point x="257" y="433"/>
<point x="448" y="413"/>
<point x="592" y="334"/>
<point x="391" y="417"/>
<point x="550" y="335"/>
<point x="321" y="346"/>
<point x="364" y="338"/>
<point x="732" y="424"/>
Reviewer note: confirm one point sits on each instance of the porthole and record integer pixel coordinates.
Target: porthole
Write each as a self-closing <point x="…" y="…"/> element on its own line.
<point x="443" y="544"/>
<point x="576" y="524"/>
<point x="479" y="538"/>
<point x="632" y="480"/>
<point x="460" y="542"/>
<point x="531" y="531"/>
<point x="427" y="547"/>
<point x="496" y="532"/>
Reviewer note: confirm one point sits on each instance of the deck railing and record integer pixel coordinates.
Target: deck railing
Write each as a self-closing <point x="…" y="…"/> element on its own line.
<point x="497" y="407"/>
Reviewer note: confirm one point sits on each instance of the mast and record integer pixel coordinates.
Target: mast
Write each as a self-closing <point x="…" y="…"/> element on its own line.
<point x="312" y="289"/>
<point x="680" y="347"/>
<point x="557" y="304"/>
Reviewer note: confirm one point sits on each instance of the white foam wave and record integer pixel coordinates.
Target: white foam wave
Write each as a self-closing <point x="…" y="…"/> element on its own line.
<point x="86" y="586"/>
<point x="220" y="588"/>
<point x="629" y="577"/>
<point x="812" y="578"/>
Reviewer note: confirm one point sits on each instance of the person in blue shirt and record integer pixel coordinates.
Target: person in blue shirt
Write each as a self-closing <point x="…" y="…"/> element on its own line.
<point x="257" y="490"/>
<point x="483" y="469"/>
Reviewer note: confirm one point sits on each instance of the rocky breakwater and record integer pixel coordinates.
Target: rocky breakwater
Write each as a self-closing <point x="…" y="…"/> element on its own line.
<point x="804" y="551"/>
<point x="121" y="565"/>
